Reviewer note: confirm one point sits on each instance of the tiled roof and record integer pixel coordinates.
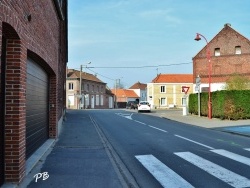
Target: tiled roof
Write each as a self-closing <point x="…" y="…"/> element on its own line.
<point x="138" y="85"/>
<point x="173" y="78"/>
<point x="85" y="76"/>
<point x="124" y="93"/>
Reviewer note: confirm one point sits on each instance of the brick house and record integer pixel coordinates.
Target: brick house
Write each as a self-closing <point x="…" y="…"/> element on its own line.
<point x="33" y="49"/>
<point x="94" y="93"/>
<point x="140" y="89"/>
<point x="230" y="54"/>
<point x="166" y="90"/>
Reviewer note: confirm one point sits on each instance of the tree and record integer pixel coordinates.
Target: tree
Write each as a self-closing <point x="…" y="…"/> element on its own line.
<point x="237" y="82"/>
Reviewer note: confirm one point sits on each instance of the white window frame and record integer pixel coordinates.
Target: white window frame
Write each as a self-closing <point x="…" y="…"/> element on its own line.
<point x="162" y="89"/>
<point x="217" y="52"/>
<point x="237" y="49"/>
<point x="101" y="100"/>
<point x="71" y="86"/>
<point x="163" y="99"/>
<point x="97" y="100"/>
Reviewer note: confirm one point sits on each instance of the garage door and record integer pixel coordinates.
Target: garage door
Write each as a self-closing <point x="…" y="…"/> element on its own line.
<point x="36" y="108"/>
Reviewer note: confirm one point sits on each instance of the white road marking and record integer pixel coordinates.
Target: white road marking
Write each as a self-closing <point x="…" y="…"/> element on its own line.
<point x="232" y="156"/>
<point x="157" y="128"/>
<point x="128" y="116"/>
<point x="225" y="175"/>
<point x="140" y="122"/>
<point x="194" y="142"/>
<point x="166" y="176"/>
<point x="248" y="149"/>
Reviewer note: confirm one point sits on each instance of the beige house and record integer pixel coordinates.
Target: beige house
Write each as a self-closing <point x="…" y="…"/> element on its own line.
<point x="94" y="93"/>
<point x="168" y="90"/>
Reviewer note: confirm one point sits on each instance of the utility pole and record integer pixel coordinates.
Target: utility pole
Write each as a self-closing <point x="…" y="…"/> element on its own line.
<point x="80" y="90"/>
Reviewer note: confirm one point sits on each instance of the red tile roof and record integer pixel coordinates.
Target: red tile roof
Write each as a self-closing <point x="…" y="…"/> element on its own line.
<point x="138" y="85"/>
<point x="85" y="76"/>
<point x="173" y="78"/>
<point x="124" y="93"/>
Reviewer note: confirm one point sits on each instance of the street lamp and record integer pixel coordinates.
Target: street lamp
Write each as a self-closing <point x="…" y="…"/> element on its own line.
<point x="81" y="84"/>
<point x="197" y="38"/>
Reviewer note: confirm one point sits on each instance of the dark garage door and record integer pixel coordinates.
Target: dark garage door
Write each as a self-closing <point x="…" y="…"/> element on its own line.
<point x="36" y="108"/>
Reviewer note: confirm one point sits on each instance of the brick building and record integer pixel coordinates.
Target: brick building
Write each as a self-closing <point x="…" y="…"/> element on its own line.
<point x="95" y="93"/>
<point x="33" y="49"/>
<point x="230" y="54"/>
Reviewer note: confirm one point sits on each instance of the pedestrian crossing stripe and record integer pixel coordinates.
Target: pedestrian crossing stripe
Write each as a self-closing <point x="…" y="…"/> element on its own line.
<point x="165" y="176"/>
<point x="217" y="171"/>
<point x="232" y="156"/>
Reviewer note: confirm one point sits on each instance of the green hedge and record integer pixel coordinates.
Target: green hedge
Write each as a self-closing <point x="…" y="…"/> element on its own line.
<point x="226" y="104"/>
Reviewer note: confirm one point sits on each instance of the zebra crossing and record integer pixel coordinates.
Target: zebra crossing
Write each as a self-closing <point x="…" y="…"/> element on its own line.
<point x="168" y="178"/>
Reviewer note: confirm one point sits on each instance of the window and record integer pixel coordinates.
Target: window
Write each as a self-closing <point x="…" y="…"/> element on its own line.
<point x="97" y="100"/>
<point x="217" y="52"/>
<point x="87" y="87"/>
<point x="101" y="100"/>
<point x="163" y="101"/>
<point x="71" y="86"/>
<point x="237" y="50"/>
<point x="163" y="89"/>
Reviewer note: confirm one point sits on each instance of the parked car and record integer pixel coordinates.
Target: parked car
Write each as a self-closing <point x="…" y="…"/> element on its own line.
<point x="132" y="104"/>
<point x="144" y="106"/>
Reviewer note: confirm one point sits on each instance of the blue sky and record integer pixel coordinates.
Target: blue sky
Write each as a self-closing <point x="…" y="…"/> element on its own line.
<point x="146" y="37"/>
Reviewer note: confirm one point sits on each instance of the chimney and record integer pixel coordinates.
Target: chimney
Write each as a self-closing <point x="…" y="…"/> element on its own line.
<point x="227" y="25"/>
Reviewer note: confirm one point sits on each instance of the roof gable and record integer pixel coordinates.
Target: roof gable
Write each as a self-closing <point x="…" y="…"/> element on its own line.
<point x="138" y="85"/>
<point x="226" y="33"/>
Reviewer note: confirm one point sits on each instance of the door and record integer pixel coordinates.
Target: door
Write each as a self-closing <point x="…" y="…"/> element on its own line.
<point x="37" y="108"/>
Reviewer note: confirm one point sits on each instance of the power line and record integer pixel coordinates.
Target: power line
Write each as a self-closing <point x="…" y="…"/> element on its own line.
<point x="140" y="67"/>
<point x="101" y="74"/>
<point x="132" y="67"/>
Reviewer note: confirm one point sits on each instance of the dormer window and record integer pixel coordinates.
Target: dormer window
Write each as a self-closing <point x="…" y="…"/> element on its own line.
<point x="217" y="52"/>
<point x="237" y="49"/>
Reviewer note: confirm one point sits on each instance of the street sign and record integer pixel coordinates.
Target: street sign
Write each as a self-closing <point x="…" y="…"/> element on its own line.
<point x="185" y="89"/>
<point x="197" y="88"/>
<point x="198" y="81"/>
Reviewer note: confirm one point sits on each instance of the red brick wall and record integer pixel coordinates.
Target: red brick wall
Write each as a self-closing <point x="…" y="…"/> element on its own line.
<point x="228" y="62"/>
<point x="31" y="27"/>
<point x="15" y="110"/>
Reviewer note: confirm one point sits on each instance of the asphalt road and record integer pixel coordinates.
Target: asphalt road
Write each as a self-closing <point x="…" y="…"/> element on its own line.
<point x="164" y="153"/>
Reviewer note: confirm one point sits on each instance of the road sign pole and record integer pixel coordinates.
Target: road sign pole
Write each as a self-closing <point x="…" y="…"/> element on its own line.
<point x="198" y="83"/>
<point x="199" y="102"/>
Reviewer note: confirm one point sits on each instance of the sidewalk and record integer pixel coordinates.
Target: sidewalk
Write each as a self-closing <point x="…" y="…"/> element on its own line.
<point x="238" y="127"/>
<point x="78" y="159"/>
